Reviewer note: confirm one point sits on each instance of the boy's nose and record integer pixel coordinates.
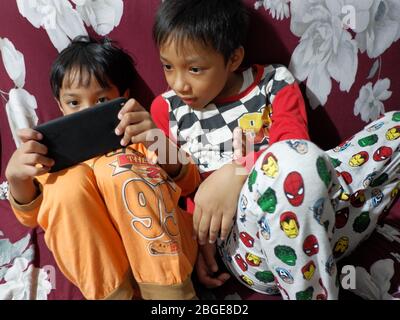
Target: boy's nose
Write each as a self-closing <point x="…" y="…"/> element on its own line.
<point x="180" y="85"/>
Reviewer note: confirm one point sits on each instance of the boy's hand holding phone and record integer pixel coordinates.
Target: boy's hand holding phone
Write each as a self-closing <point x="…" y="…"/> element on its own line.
<point x="135" y="123"/>
<point x="29" y="160"/>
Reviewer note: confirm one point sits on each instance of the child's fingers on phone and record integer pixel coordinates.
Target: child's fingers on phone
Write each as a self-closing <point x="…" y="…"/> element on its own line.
<point x="41" y="170"/>
<point x="129" y="134"/>
<point x="46" y="162"/>
<point x="27" y="134"/>
<point x="130" y="106"/>
<point x="125" y="122"/>
<point x="129" y="119"/>
<point x="38" y="160"/>
<point x="33" y="171"/>
<point x="34" y="147"/>
<point x="140" y="137"/>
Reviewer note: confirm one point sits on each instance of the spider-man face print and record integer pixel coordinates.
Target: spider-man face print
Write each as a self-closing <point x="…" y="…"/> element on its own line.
<point x="341" y="217"/>
<point x="347" y="177"/>
<point x="310" y="245"/>
<point x="383" y="153"/>
<point x="294" y="188"/>
<point x="247" y="239"/>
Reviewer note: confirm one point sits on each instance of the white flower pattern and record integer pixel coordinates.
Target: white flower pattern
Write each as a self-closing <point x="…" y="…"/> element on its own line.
<point x="25" y="282"/>
<point x="329" y="45"/>
<point x="61" y="22"/>
<point x="279" y="9"/>
<point x="19" y="279"/>
<point x="326" y="49"/>
<point x="102" y="15"/>
<point x="3" y="192"/>
<point x="14" y="62"/>
<point x="20" y="110"/>
<point x="383" y="28"/>
<point x="376" y="284"/>
<point x="369" y="102"/>
<point x="21" y="105"/>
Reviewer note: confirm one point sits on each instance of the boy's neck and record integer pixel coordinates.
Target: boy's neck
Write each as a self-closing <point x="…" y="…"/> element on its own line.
<point x="232" y="86"/>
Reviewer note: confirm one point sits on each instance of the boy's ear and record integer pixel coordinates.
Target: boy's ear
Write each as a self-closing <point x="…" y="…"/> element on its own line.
<point x="236" y="59"/>
<point x="127" y="93"/>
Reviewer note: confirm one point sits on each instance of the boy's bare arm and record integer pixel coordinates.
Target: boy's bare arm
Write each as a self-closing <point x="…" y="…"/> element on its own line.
<point x="216" y="202"/>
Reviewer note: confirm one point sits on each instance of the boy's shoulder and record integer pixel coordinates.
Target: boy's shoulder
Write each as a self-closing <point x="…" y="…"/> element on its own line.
<point x="275" y="71"/>
<point x="274" y="79"/>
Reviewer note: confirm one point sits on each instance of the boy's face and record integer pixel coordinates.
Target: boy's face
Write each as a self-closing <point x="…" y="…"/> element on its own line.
<point x="196" y="73"/>
<point x="74" y="96"/>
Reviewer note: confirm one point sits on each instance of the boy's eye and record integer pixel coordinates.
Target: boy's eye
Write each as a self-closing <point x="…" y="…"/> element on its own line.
<point x="73" y="104"/>
<point x="167" y="67"/>
<point x="101" y="100"/>
<point x="195" y="70"/>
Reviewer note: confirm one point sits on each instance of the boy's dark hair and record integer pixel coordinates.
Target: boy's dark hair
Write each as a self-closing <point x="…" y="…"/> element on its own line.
<point x="221" y="24"/>
<point x="102" y="59"/>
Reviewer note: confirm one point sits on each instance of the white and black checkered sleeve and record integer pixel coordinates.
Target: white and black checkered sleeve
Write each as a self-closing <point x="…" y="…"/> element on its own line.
<point x="276" y="77"/>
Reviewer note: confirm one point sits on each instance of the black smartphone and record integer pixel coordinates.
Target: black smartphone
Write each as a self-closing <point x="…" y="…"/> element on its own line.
<point x="82" y="135"/>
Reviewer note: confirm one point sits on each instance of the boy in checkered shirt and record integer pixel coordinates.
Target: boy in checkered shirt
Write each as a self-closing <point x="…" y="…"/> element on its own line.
<point x="283" y="238"/>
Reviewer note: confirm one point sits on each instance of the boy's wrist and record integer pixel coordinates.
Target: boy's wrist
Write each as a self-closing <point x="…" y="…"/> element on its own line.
<point x="28" y="207"/>
<point x="24" y="191"/>
<point x="240" y="169"/>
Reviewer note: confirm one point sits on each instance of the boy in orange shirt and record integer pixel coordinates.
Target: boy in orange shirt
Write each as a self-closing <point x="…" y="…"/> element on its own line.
<point x="114" y="215"/>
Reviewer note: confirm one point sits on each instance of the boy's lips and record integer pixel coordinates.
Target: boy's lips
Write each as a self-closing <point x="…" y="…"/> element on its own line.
<point x="187" y="100"/>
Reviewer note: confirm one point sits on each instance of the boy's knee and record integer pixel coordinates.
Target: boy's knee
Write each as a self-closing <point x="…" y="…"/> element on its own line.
<point x="292" y="163"/>
<point x="291" y="154"/>
<point x="71" y="186"/>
